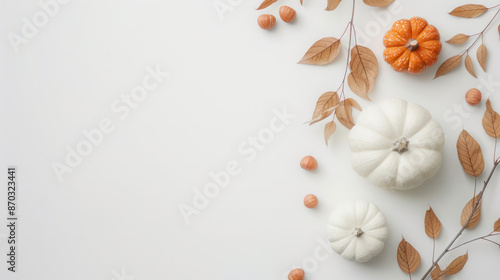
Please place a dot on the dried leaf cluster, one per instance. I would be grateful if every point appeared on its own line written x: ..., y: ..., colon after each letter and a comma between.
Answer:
x: 472, y: 160
x: 468, y: 11
x: 361, y: 72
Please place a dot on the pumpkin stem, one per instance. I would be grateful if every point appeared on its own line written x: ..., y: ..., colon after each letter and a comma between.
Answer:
x: 358, y: 232
x: 412, y: 45
x: 400, y: 145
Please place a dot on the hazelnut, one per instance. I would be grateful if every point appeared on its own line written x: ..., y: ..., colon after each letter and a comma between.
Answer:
x: 473, y: 96
x: 266, y: 21
x: 296, y: 274
x: 287, y: 14
x: 310, y: 201
x: 309, y: 163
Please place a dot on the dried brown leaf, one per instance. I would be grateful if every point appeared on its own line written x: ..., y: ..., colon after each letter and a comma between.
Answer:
x: 266, y: 4
x: 329, y: 130
x: 469, y: 11
x: 432, y: 224
x: 491, y: 121
x: 364, y: 71
x: 470, y: 154
x: 496, y: 226
x: 322, y: 51
x: 456, y: 265
x: 469, y: 66
x: 301, y: 2
x: 437, y: 273
x: 467, y: 212
x: 358, y: 85
x: 324, y: 107
x: 499, y: 31
x: 354, y: 104
x: 448, y: 65
x: 344, y: 112
x: 408, y: 257
x: 482, y: 52
x: 378, y: 3
x: 458, y: 39
x: 332, y: 4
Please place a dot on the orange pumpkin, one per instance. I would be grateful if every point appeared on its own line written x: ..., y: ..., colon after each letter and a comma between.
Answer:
x: 411, y: 45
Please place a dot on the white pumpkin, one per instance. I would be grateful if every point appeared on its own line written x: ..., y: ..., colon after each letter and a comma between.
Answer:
x: 396, y: 144
x: 357, y: 230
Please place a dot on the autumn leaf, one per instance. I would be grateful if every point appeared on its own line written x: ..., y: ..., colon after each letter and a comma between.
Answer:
x: 437, y: 273
x: 456, y: 265
x: 266, y: 4
x: 364, y: 71
x: 432, y: 224
x: 469, y: 11
x: 332, y: 4
x: 329, y: 130
x: 458, y: 39
x: 322, y: 51
x: 482, y: 52
x: 469, y: 66
x: 448, y: 65
x: 301, y: 2
x: 491, y: 121
x: 467, y: 212
x: 496, y: 226
x: 408, y: 257
x: 499, y: 31
x: 344, y: 112
x: 358, y: 85
x: 378, y: 3
x: 324, y: 107
x: 470, y: 154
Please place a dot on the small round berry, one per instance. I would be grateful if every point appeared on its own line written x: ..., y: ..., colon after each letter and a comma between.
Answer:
x: 309, y: 163
x: 287, y: 14
x: 473, y: 96
x: 296, y: 274
x: 310, y: 201
x: 266, y: 22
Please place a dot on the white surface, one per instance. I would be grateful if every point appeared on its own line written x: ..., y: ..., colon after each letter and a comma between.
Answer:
x: 119, y: 208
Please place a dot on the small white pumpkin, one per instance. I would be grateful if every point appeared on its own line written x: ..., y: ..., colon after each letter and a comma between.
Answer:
x: 396, y: 144
x: 357, y: 230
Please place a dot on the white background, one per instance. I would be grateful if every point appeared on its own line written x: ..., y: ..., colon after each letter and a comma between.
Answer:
x: 118, y: 211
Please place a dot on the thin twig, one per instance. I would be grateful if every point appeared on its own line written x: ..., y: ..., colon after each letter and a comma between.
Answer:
x: 475, y: 186
x: 489, y: 240
x: 345, y: 30
x: 476, y: 239
x: 433, y: 248
x: 480, y: 34
x: 495, y: 150
x: 494, y: 7
x: 350, y: 25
